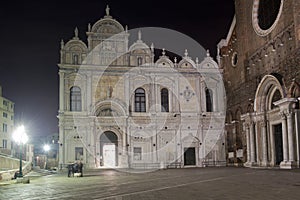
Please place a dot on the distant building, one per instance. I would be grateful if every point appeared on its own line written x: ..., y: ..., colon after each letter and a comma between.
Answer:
x: 261, y: 65
x: 6, y: 124
x: 137, y: 112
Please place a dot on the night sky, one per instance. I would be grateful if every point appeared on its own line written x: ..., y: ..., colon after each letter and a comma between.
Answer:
x: 31, y: 32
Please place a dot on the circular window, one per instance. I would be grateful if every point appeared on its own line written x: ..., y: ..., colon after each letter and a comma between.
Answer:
x: 265, y: 15
x: 234, y: 59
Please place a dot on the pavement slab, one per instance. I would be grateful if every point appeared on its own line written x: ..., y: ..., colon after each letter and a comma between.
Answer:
x: 193, y: 183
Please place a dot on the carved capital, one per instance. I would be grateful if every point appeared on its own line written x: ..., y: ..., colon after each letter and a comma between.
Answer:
x: 247, y: 125
x: 263, y: 122
x: 61, y: 74
x: 282, y: 115
x: 289, y: 113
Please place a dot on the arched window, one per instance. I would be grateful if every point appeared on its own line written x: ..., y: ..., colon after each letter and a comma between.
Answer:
x: 164, y: 94
x: 75, y: 99
x: 276, y: 97
x: 75, y: 59
x: 209, y: 100
x: 140, y: 100
x: 139, y: 61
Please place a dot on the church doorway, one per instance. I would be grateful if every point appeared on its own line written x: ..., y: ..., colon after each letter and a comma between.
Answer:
x: 109, y: 155
x: 189, y: 156
x: 108, y: 149
x: 278, y: 144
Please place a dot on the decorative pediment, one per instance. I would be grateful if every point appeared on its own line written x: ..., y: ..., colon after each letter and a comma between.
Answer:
x: 108, y: 112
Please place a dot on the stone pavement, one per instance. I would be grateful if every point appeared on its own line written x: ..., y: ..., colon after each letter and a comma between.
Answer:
x: 188, y: 184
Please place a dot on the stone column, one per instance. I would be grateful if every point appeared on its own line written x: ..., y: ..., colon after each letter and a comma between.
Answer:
x: 62, y: 145
x: 215, y: 102
x: 287, y: 106
x: 152, y: 95
x: 61, y: 91
x: 289, y: 116
x: 264, y: 143
x: 124, y: 142
x: 89, y: 94
x: 284, y: 138
x: 252, y: 143
x: 127, y: 91
x: 248, y: 142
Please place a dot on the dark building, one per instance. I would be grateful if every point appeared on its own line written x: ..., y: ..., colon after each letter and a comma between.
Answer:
x: 260, y: 59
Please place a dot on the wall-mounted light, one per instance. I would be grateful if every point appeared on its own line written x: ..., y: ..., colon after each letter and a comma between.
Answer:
x: 273, y: 47
x: 290, y: 35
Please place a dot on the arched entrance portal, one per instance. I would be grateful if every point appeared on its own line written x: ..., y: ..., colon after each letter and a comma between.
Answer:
x: 109, y: 149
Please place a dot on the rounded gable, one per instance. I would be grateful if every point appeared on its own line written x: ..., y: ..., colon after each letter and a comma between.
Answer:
x: 164, y: 61
x: 107, y: 25
x: 75, y: 45
x: 187, y: 63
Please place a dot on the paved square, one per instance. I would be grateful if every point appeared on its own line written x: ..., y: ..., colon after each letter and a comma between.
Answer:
x: 192, y: 183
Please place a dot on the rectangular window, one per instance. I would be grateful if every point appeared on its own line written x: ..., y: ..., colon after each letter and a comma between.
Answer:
x: 5, y: 103
x: 12, y: 117
x: 78, y: 153
x: 137, y: 153
x: 4, y: 144
x: 4, y: 128
x: 164, y: 100
x: 4, y: 114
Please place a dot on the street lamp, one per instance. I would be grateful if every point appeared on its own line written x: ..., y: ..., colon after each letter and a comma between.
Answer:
x: 46, y: 149
x: 20, y: 137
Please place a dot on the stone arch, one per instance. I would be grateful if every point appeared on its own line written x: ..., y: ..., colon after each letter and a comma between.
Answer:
x: 294, y: 90
x: 110, y: 108
x: 75, y: 79
x: 229, y: 116
x: 113, y: 129
x: 265, y: 91
x: 238, y: 113
x: 250, y: 108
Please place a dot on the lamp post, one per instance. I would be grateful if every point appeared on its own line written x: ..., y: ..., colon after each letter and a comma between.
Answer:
x: 46, y: 149
x: 21, y: 138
